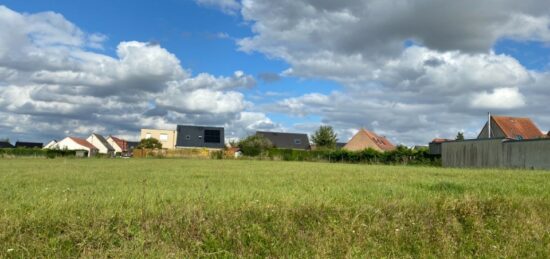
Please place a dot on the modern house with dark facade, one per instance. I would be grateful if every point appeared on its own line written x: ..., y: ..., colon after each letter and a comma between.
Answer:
x: 200, y: 137
x: 287, y: 140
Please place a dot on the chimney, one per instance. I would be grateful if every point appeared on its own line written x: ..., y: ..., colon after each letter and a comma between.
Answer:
x: 489, y: 125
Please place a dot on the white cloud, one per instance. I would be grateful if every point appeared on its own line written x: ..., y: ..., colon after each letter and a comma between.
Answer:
x: 50, y: 79
x: 444, y: 83
x: 501, y: 98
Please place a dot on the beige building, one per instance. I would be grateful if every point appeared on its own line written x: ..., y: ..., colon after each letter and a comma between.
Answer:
x: 166, y: 137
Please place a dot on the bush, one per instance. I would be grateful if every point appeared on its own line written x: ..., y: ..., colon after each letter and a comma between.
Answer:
x: 35, y: 152
x: 401, y: 155
x: 150, y: 143
x: 255, y: 145
x: 217, y: 154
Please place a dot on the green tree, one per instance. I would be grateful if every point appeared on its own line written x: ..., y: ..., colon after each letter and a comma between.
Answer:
x: 150, y: 143
x: 325, y: 137
x: 460, y: 136
x: 255, y: 145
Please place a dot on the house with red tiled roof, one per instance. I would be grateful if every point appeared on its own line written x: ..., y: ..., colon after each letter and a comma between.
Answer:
x: 78, y: 144
x: 365, y: 139
x: 518, y: 128
x: 122, y: 146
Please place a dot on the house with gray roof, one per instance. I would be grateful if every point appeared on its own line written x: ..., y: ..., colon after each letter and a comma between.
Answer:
x: 5, y: 144
x: 101, y: 144
x: 285, y: 140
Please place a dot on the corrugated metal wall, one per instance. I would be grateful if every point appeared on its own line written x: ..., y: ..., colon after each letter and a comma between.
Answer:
x: 497, y: 153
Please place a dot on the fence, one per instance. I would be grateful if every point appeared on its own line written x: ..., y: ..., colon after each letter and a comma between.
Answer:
x: 497, y: 153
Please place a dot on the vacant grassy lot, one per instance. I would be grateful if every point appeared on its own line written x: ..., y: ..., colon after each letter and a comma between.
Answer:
x: 180, y: 208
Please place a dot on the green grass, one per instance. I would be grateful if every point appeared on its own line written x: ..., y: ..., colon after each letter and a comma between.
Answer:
x: 208, y: 208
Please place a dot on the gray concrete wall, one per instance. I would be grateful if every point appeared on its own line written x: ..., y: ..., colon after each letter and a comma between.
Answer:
x: 497, y: 153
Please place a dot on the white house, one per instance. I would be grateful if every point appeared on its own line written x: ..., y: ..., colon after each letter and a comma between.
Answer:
x: 119, y: 145
x: 101, y: 144
x: 72, y: 143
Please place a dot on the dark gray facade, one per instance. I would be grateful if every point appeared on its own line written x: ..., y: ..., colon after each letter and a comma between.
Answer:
x: 200, y: 137
x: 435, y: 148
x: 497, y: 153
x: 287, y: 140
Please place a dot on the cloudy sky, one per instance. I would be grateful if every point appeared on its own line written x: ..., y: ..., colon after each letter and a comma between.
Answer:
x: 411, y: 70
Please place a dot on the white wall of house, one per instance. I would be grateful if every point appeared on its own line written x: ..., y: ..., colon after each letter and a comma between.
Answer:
x: 114, y: 144
x: 52, y: 145
x: 98, y: 144
x: 69, y: 144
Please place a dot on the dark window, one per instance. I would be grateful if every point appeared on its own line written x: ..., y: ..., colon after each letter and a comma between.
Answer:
x: 212, y: 136
x: 188, y: 137
x: 297, y: 141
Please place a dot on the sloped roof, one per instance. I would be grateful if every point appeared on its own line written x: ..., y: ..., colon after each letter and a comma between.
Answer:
x: 83, y: 142
x: 103, y: 141
x: 122, y: 144
x: 5, y: 144
x: 440, y: 140
x: 365, y: 139
x: 287, y: 140
x: 515, y: 126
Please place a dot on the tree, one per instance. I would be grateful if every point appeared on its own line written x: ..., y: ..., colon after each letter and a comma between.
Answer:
x: 150, y: 143
x: 325, y: 137
x: 255, y: 145
x: 460, y: 136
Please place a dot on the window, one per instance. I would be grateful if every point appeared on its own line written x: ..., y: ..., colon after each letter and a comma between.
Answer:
x: 188, y: 137
x: 148, y: 136
x: 163, y: 137
x: 212, y: 136
x: 297, y: 141
x: 519, y: 137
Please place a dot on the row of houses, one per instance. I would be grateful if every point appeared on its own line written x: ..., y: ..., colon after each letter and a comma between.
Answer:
x: 187, y: 136
x: 93, y: 145
x: 503, y: 142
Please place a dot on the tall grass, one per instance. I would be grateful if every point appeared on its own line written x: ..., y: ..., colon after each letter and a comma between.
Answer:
x: 218, y: 208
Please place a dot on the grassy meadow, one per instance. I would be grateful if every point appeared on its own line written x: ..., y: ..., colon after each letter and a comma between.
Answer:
x: 163, y: 208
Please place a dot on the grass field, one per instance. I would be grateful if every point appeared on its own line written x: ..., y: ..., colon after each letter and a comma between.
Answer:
x: 209, y: 208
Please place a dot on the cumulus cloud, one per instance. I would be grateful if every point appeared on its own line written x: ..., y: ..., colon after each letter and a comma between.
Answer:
x: 502, y: 98
x: 412, y: 70
x: 51, y: 79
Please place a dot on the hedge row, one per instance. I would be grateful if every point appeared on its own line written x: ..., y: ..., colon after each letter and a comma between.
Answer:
x: 402, y: 155
x: 35, y: 152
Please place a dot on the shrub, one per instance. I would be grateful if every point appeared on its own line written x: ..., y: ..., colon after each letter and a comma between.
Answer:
x: 255, y: 145
x: 150, y: 143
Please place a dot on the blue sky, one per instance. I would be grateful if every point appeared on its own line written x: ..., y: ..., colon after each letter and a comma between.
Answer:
x: 331, y: 64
